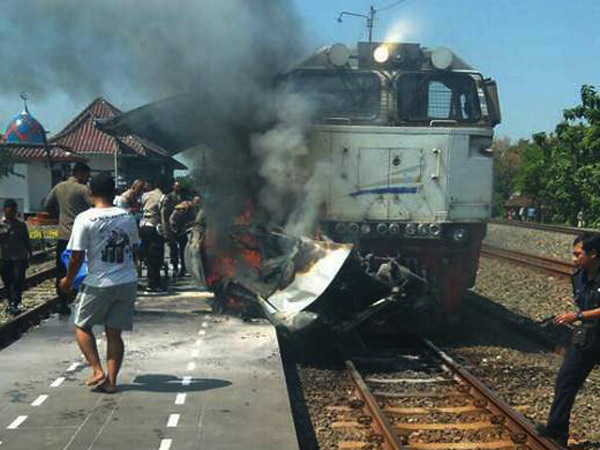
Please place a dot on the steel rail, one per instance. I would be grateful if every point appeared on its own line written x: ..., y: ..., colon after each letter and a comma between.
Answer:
x: 12, y: 329
x: 380, y: 423
x: 34, y: 279
x: 552, y: 266
x: 546, y: 227
x: 522, y: 431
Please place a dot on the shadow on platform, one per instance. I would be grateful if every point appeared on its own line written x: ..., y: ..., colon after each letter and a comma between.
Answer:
x: 170, y: 383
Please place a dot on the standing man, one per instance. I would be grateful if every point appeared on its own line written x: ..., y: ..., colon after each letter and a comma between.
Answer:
x: 108, y: 235
x: 172, y: 200
x: 66, y: 200
x: 182, y: 219
x: 581, y: 218
x: 584, y: 352
x: 15, y: 251
x: 154, y: 227
x: 130, y: 199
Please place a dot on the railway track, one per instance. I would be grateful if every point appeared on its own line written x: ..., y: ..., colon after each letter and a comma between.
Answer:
x: 39, y: 299
x: 551, y: 266
x: 546, y: 227
x: 429, y: 402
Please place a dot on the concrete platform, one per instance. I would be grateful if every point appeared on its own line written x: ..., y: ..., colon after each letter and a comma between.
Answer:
x: 190, y: 380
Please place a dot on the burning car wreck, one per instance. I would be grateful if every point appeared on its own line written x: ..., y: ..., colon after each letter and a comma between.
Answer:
x: 301, y: 285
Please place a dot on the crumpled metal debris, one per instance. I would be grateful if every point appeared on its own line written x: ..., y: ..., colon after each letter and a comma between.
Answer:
x: 300, y: 282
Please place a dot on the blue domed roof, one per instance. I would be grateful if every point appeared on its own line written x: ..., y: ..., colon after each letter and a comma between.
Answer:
x: 24, y: 129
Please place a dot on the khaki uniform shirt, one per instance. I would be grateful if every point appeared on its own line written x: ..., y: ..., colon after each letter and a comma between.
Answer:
x: 14, y: 240
x: 69, y: 198
x: 151, y: 205
x: 181, y: 218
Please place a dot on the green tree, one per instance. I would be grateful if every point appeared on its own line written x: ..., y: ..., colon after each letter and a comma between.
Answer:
x: 505, y: 168
x: 579, y: 137
x: 561, y: 171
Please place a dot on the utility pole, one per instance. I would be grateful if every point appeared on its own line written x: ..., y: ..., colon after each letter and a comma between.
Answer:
x: 370, y: 17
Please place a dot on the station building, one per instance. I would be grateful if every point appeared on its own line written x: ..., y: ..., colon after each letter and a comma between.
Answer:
x: 40, y: 162
x: 126, y: 157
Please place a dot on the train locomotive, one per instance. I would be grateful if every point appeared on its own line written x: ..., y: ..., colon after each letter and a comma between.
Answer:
x: 409, y: 132
x: 406, y: 133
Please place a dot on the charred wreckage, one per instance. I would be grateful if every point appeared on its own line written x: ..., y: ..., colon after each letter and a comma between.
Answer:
x: 300, y: 284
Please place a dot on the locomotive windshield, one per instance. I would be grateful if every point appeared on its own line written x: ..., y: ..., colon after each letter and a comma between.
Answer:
x: 340, y: 94
x: 423, y: 97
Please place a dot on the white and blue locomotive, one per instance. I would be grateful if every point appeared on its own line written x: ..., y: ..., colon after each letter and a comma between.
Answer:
x: 409, y: 132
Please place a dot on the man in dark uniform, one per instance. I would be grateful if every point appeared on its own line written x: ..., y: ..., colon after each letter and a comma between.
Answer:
x: 584, y: 353
x: 15, y: 251
x: 173, y: 199
x: 66, y: 200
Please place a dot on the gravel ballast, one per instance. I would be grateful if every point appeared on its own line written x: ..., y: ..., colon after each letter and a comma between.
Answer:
x: 538, y: 242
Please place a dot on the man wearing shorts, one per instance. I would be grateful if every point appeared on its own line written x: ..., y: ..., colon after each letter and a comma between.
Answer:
x: 108, y: 235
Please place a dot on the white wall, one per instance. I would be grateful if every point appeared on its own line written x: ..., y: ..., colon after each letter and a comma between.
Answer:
x: 40, y: 183
x: 31, y: 189
x: 16, y: 187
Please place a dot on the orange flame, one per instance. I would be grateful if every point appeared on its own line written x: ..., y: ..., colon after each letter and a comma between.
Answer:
x: 225, y: 263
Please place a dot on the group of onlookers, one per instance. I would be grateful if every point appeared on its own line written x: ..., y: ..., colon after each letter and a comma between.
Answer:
x: 96, y: 224
x: 524, y: 214
x: 162, y: 213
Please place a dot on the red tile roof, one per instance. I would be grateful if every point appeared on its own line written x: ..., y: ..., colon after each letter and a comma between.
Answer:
x: 82, y: 135
x: 37, y: 152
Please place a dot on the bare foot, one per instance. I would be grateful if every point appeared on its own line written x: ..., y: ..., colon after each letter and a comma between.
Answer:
x: 95, y: 378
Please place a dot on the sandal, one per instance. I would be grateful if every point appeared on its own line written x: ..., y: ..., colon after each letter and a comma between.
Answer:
x: 104, y: 389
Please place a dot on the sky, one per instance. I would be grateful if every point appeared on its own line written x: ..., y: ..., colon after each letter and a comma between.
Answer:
x: 539, y: 51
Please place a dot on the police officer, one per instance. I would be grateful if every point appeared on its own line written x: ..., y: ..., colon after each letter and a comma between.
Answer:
x: 130, y: 199
x: 66, y: 200
x: 15, y: 252
x: 173, y: 199
x: 154, y: 228
x: 584, y: 352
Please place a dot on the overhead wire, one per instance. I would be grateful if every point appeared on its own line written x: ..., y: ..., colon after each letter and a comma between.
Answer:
x: 391, y: 5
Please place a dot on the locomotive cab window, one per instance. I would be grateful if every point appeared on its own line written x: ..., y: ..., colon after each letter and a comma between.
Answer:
x: 423, y: 97
x: 339, y: 94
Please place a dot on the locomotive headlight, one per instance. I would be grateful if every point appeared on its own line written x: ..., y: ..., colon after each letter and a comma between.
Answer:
x: 354, y: 228
x: 365, y: 228
x: 460, y: 234
x: 423, y: 229
x: 435, y: 229
x: 394, y: 228
x: 411, y: 229
x: 340, y: 227
x: 381, y: 54
x: 382, y: 228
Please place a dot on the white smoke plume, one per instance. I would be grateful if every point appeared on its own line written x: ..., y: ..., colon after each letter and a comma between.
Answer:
x: 305, y: 217
x: 280, y: 152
